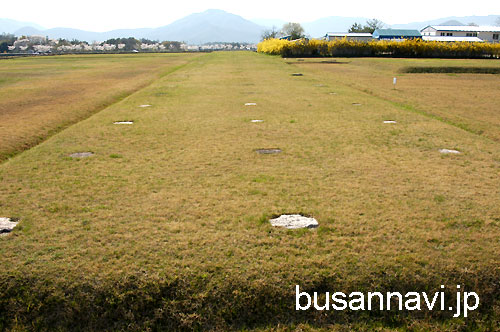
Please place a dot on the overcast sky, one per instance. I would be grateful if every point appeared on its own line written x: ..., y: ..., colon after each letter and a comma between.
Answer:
x: 104, y: 15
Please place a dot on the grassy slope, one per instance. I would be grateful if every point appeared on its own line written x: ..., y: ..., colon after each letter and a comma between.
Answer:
x: 164, y: 226
x: 469, y: 101
x: 42, y: 95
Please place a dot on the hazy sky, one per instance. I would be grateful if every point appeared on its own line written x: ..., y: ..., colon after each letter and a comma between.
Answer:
x: 103, y: 15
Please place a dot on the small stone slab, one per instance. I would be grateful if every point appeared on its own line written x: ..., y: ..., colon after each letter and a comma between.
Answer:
x: 123, y: 122
x: 81, y: 154
x: 256, y: 121
x: 333, y: 93
x: 294, y: 221
x: 448, y: 151
x: 356, y: 104
x: 297, y: 74
x: 7, y: 225
x: 268, y: 151
x: 390, y: 121
x: 250, y: 104
x: 145, y: 105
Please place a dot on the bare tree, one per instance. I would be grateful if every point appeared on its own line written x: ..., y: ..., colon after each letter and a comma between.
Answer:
x: 370, y: 26
x: 374, y: 24
x: 294, y: 30
x: 270, y: 33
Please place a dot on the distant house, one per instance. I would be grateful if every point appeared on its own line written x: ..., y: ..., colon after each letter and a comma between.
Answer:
x: 485, y: 33
x: 397, y: 34
x: 359, y: 36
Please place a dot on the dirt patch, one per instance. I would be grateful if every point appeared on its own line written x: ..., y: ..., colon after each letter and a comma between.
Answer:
x: 302, y: 62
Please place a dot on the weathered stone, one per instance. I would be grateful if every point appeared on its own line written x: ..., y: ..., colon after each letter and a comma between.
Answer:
x: 250, y: 104
x: 390, y: 121
x: 81, y: 154
x: 7, y: 225
x: 294, y: 221
x: 123, y: 122
x: 255, y: 121
x: 448, y: 151
x: 268, y: 151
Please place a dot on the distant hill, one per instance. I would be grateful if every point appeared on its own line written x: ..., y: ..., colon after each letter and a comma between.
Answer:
x: 212, y: 25
x: 269, y: 23
x: 479, y: 20
x: 219, y: 26
x: 209, y: 26
x: 11, y: 26
x: 90, y: 36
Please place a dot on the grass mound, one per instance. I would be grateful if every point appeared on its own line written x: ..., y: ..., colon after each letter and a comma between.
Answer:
x: 220, y: 302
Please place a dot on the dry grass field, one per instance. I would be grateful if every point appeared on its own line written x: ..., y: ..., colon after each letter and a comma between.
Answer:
x: 468, y: 101
x: 42, y: 95
x: 166, y: 226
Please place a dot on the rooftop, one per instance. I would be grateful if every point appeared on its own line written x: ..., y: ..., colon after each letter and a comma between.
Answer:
x: 397, y: 32
x: 349, y: 34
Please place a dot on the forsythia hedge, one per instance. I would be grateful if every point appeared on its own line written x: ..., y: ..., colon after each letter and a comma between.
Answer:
x: 406, y: 48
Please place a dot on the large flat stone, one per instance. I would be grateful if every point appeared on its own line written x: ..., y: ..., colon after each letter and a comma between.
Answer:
x: 81, y: 154
x: 7, y: 225
x: 268, y: 151
x: 294, y: 221
x: 448, y: 151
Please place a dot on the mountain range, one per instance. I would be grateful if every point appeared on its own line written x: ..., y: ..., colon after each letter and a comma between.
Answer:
x: 216, y: 25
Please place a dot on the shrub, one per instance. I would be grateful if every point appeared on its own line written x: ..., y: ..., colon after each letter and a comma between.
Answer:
x: 407, y: 48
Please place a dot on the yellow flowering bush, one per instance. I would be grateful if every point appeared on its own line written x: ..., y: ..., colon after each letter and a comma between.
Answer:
x: 405, y: 48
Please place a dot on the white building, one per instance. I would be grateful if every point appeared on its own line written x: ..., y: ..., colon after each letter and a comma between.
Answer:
x: 485, y: 33
x: 359, y: 36
x: 452, y: 39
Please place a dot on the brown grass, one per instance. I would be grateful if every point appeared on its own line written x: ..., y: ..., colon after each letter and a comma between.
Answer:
x: 469, y: 101
x: 165, y: 227
x: 42, y: 95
